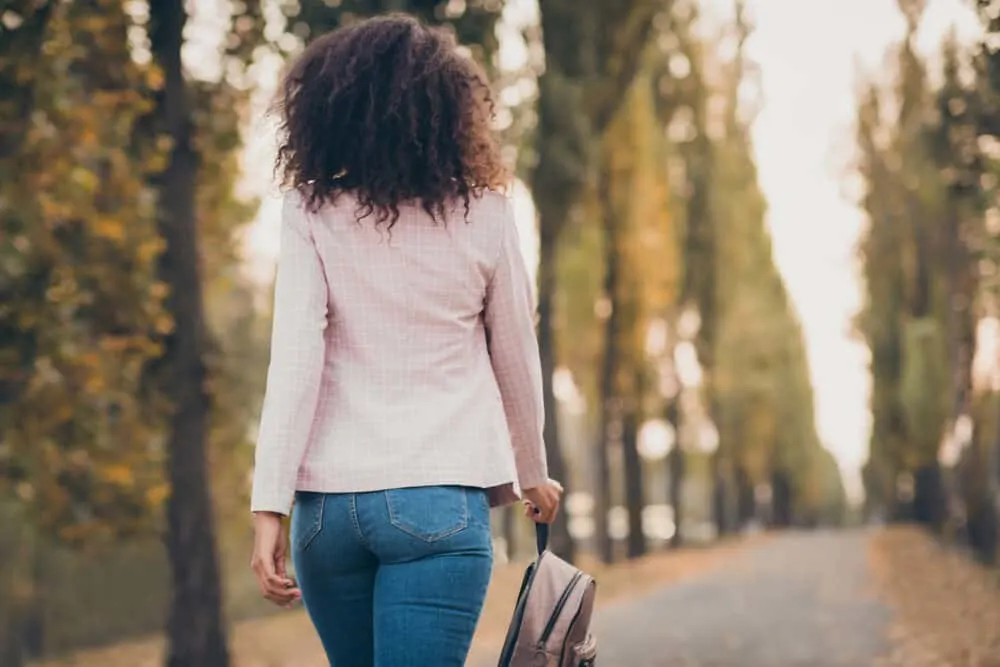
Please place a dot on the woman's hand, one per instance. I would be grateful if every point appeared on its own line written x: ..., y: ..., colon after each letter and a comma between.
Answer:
x: 268, y: 560
x: 541, y: 503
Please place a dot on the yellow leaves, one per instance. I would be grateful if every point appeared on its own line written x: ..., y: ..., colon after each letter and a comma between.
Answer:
x: 85, y: 178
x: 118, y: 474
x: 80, y: 221
x: 25, y: 491
x: 53, y: 210
x: 109, y: 228
x: 157, y: 494
x: 159, y: 290
x: 154, y: 77
x: 163, y: 324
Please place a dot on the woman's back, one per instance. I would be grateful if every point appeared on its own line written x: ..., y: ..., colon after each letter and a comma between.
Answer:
x: 397, y: 320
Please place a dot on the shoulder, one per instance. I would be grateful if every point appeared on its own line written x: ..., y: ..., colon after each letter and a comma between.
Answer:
x: 299, y: 214
x: 494, y: 203
x: 492, y: 212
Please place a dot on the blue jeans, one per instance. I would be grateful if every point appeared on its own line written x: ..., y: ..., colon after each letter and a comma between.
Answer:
x: 394, y: 578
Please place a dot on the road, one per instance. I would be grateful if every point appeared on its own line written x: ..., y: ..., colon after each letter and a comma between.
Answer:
x: 797, y: 600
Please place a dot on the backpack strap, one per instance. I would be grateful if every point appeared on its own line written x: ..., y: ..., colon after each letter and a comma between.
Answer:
x: 541, y: 537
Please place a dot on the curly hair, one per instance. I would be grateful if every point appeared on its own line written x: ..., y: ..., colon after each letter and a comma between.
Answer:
x: 388, y: 110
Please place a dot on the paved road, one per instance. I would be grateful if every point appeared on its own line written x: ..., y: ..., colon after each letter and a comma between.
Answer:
x: 798, y: 600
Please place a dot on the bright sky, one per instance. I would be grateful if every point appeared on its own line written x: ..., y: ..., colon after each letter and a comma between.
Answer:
x: 809, y: 52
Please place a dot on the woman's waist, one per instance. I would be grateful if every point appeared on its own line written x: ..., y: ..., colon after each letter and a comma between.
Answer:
x: 356, y: 460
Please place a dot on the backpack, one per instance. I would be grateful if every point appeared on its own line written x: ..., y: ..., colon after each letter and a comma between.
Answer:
x: 551, y: 624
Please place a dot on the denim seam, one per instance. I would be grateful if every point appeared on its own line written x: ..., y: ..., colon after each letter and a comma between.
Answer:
x: 356, y: 522
x: 316, y: 527
x: 436, y: 536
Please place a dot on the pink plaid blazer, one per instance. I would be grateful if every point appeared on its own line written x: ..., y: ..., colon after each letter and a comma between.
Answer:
x: 400, y: 359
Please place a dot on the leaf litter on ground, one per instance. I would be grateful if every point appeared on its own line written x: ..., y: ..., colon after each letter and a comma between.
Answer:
x: 946, y: 606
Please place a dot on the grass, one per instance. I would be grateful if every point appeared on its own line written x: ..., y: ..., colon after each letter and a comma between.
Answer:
x: 286, y: 639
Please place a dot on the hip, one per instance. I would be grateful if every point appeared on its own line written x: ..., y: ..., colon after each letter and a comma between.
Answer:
x: 390, y: 526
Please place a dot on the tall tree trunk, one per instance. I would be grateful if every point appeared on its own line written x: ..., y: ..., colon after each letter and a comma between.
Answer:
x: 635, y: 497
x: 561, y: 543
x: 975, y: 478
x: 676, y: 465
x: 719, y: 496
x: 928, y: 499
x: 725, y: 492
x: 195, y: 628
x: 16, y: 542
x: 746, y: 501
x: 781, y: 499
x: 993, y: 463
x: 611, y: 412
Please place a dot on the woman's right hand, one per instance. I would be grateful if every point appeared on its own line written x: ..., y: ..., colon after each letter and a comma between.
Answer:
x: 541, y: 503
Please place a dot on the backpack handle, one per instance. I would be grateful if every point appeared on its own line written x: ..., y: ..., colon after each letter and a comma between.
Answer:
x: 541, y: 537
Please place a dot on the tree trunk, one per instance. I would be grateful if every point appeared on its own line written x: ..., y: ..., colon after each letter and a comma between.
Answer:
x: 635, y: 500
x: 560, y: 541
x: 993, y: 463
x: 195, y: 628
x: 746, y: 499
x: 611, y: 413
x: 719, y: 496
x: 34, y: 626
x: 16, y: 540
x: 575, y: 74
x: 781, y: 499
x: 928, y: 498
x: 508, y: 529
x: 675, y: 471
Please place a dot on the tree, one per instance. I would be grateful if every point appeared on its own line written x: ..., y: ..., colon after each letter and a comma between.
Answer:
x: 592, y: 53
x: 80, y: 303
x: 684, y: 108
x: 926, y: 197
x: 640, y: 281
x: 987, y: 118
x: 195, y: 626
x: 749, y: 342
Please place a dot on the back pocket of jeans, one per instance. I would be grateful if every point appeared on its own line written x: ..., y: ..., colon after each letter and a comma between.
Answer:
x: 429, y: 513
x: 307, y: 518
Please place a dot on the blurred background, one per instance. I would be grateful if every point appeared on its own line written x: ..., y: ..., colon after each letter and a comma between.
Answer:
x: 765, y: 235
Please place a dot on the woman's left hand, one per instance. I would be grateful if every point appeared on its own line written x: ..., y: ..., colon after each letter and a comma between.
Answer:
x: 268, y: 561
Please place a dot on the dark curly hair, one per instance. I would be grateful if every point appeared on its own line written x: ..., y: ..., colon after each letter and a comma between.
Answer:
x: 387, y: 109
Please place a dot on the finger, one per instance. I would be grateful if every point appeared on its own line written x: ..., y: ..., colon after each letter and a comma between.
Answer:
x: 281, y: 585
x: 283, y: 598
x: 274, y: 583
x: 285, y: 601
x: 281, y: 570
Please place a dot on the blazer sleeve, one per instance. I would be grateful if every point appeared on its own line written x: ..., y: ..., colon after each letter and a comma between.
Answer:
x: 513, y: 347
x: 296, y: 366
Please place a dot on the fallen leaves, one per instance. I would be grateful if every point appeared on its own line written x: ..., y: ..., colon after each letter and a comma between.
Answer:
x: 947, y: 608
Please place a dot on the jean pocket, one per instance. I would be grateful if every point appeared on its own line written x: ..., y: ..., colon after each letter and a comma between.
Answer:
x: 429, y: 513
x: 307, y: 518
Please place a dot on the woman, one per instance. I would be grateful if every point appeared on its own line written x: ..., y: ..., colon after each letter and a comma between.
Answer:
x: 404, y: 390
